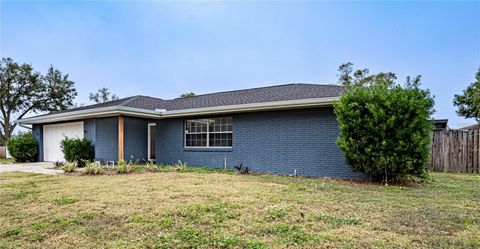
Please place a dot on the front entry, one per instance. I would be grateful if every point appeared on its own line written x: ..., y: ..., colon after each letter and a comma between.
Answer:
x: 152, y: 134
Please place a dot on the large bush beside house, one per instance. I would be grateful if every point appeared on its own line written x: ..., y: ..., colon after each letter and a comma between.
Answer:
x: 385, y: 127
x: 78, y: 150
x: 22, y: 147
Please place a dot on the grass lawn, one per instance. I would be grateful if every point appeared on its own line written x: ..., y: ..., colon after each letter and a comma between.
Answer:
x: 7, y: 160
x: 189, y: 210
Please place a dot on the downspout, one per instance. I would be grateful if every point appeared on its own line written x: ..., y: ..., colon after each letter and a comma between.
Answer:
x: 26, y: 127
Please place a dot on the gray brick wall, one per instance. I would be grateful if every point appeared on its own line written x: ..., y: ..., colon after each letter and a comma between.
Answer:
x: 89, y: 126
x: 270, y: 142
x: 106, y: 138
x: 135, y: 139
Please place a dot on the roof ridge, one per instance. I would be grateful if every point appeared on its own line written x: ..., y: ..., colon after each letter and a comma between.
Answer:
x: 129, y: 100
x: 255, y: 88
x: 145, y: 96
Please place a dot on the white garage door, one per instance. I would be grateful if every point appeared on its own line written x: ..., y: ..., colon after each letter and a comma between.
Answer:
x: 54, y: 134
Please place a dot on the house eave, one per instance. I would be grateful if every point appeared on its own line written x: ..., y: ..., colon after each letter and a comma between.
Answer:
x: 151, y: 114
x: 90, y: 113
x: 265, y: 106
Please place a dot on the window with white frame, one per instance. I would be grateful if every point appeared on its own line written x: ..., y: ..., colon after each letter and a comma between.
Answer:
x: 212, y: 132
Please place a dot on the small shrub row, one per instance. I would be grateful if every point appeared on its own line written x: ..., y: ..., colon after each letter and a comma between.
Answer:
x: 93, y: 168
x: 70, y: 167
x: 124, y: 167
x: 150, y: 167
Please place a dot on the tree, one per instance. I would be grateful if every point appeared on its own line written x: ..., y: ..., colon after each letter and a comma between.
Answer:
x: 23, y: 91
x: 468, y: 102
x: 187, y: 95
x: 384, y: 126
x: 361, y: 77
x: 103, y: 95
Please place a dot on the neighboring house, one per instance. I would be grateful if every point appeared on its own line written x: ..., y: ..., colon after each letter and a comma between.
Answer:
x: 440, y: 124
x: 471, y: 127
x: 279, y: 129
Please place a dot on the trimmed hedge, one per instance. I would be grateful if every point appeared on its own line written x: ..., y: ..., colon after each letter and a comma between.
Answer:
x: 386, y: 129
x: 23, y: 147
x: 78, y: 150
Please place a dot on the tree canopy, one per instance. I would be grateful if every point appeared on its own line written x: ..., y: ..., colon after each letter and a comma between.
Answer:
x: 361, y: 77
x: 188, y: 95
x: 24, y: 91
x: 102, y: 95
x: 468, y: 102
x: 384, y: 126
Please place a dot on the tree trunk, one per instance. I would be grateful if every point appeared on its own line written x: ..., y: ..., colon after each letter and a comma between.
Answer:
x: 6, y: 129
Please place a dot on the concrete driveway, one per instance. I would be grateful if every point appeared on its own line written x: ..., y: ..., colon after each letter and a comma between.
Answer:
x: 40, y: 167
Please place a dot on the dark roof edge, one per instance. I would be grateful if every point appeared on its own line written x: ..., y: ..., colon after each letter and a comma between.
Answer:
x: 120, y: 110
x: 126, y: 102
x: 260, y: 87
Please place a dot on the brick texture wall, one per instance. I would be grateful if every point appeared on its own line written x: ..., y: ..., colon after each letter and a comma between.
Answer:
x: 270, y: 142
x: 135, y: 139
x: 106, y: 138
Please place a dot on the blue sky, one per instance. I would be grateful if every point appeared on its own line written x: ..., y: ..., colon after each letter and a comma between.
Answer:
x: 164, y: 49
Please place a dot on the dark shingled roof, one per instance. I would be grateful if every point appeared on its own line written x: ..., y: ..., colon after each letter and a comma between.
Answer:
x: 246, y: 96
x: 471, y: 127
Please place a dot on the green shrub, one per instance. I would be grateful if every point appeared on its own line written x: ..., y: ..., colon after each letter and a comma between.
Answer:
x: 180, y: 166
x: 70, y: 167
x: 78, y: 150
x: 149, y: 166
x: 123, y: 167
x: 242, y: 169
x: 93, y: 168
x: 22, y: 147
x: 385, y: 128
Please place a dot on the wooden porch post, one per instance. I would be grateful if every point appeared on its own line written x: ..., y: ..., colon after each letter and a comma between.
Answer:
x: 120, y: 138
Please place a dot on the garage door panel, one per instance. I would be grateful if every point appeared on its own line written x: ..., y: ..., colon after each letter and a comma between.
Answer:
x: 54, y: 134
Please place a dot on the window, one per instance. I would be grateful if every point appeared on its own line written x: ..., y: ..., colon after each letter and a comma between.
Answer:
x: 213, y: 132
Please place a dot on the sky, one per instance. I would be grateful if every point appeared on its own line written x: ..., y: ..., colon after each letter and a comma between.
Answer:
x: 164, y: 49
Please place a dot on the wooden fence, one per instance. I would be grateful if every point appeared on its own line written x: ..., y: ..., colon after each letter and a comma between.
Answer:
x: 455, y: 151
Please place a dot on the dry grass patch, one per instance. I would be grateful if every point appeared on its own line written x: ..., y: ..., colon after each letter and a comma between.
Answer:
x: 6, y: 161
x: 211, y: 210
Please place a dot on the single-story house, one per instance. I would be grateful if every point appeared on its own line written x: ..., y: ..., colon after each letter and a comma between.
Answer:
x: 282, y: 129
x: 470, y: 127
x: 440, y: 124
